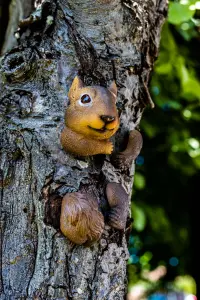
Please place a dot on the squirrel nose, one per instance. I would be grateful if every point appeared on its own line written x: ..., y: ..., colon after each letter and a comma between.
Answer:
x: 107, y: 119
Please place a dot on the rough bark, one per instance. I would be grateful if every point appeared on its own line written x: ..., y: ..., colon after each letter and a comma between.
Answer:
x: 100, y: 40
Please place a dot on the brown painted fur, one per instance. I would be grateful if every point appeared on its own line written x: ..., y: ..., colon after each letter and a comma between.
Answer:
x: 86, y: 132
x: 80, y: 220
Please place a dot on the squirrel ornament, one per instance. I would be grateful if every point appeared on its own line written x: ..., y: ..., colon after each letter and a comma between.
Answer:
x: 82, y: 222
x: 91, y: 119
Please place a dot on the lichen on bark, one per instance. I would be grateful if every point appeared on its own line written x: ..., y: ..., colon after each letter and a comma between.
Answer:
x: 100, y: 41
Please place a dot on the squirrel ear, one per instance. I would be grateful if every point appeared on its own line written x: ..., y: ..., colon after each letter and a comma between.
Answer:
x: 76, y: 85
x: 113, y: 88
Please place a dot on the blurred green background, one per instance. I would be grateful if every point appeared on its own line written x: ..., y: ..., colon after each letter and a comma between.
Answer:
x: 163, y: 246
x: 165, y: 193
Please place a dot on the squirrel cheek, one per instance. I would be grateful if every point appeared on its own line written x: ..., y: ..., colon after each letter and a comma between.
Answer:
x: 80, y: 126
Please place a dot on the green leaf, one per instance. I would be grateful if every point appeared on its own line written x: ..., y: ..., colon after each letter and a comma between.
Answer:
x: 164, y: 68
x: 191, y: 89
x: 185, y: 283
x: 139, y: 218
x: 190, y: 85
x: 196, y: 161
x: 139, y: 181
x: 179, y: 13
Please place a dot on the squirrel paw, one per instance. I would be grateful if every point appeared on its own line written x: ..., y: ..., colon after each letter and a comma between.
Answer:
x: 109, y: 147
x: 121, y: 161
x: 119, y: 204
x: 124, y: 159
x: 80, y: 220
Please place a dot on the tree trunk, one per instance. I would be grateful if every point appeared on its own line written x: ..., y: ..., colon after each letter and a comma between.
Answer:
x: 100, y: 40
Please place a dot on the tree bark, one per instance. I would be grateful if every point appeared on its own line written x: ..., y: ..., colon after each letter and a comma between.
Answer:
x: 100, y: 40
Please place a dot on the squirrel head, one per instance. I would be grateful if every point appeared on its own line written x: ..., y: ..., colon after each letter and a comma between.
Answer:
x: 92, y: 110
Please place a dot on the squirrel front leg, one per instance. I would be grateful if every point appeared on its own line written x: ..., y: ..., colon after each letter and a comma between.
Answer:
x: 78, y: 144
x: 119, y: 205
x: 124, y: 159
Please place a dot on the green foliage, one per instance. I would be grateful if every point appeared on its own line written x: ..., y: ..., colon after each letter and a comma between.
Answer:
x: 139, y: 181
x: 170, y: 157
x: 185, y: 283
x: 176, y: 90
x: 179, y: 13
x: 139, y: 217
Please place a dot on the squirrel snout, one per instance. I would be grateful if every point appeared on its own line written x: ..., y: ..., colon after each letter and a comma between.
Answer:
x: 107, y: 119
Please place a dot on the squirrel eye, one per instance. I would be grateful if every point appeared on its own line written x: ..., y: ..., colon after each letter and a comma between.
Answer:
x: 85, y: 99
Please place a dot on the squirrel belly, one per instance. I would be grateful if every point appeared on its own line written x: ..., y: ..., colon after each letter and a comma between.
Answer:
x: 81, y: 145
